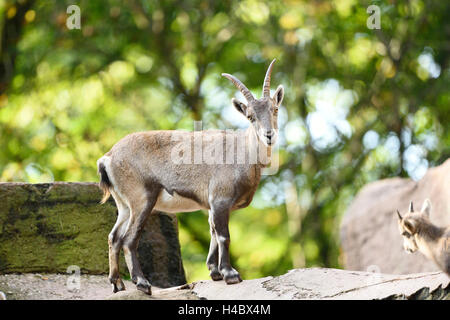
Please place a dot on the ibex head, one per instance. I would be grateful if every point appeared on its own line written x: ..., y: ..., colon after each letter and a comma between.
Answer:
x: 262, y: 113
x: 411, y: 222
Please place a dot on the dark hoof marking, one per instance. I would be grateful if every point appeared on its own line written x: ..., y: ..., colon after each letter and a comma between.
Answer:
x: 215, y: 275
x: 144, y: 287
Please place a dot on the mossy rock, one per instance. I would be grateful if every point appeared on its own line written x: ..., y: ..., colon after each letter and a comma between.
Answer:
x: 48, y: 227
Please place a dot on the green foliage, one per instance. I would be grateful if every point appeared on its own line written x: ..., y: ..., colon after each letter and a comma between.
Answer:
x: 360, y: 104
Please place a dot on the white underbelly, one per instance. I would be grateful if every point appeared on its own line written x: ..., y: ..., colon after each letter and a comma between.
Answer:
x: 175, y: 203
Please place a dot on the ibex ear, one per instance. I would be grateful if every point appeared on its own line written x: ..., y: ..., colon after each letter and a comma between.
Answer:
x: 241, y: 107
x: 279, y: 95
x: 410, y: 226
x: 426, y: 207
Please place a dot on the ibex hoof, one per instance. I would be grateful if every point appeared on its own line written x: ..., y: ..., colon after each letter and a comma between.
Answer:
x: 117, y: 285
x: 232, y: 277
x: 215, y: 275
x: 144, y: 286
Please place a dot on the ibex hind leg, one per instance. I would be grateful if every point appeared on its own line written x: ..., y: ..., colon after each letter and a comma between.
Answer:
x: 140, y: 210
x: 115, y: 244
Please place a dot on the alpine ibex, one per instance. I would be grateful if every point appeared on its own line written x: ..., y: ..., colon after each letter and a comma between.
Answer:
x: 141, y: 174
x: 420, y: 234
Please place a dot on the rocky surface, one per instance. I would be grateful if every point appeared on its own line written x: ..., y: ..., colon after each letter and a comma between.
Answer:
x: 48, y: 227
x: 315, y: 283
x: 33, y: 286
x: 329, y: 284
x: 369, y: 234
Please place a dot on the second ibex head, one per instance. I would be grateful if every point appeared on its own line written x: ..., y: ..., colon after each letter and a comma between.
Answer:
x: 262, y: 113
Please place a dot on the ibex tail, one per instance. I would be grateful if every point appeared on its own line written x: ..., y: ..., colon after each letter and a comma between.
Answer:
x: 105, y: 183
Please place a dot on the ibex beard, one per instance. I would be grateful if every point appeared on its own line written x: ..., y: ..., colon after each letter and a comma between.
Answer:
x: 159, y: 171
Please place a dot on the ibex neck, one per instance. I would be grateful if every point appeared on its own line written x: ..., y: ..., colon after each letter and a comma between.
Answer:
x: 430, y: 232
x: 428, y: 239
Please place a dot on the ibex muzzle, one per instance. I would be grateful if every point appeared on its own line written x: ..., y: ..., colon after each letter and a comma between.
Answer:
x: 141, y: 176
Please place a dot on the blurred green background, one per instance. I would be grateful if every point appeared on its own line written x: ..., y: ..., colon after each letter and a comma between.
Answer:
x: 360, y: 104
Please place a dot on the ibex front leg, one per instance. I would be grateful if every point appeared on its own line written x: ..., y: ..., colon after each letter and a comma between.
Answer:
x: 220, y: 213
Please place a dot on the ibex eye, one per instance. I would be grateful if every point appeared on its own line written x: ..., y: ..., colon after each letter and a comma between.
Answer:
x: 406, y: 234
x: 250, y: 117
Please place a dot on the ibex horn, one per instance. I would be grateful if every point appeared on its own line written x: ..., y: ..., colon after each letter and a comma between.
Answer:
x: 411, y: 208
x: 266, y: 87
x: 247, y: 94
